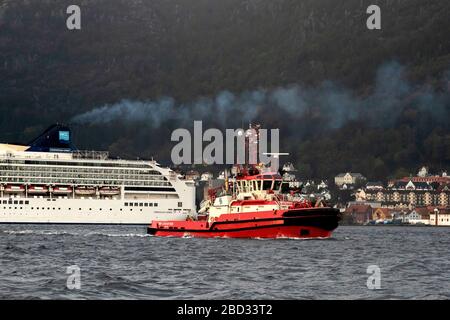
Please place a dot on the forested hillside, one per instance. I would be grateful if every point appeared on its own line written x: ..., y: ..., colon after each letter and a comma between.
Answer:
x: 344, y: 97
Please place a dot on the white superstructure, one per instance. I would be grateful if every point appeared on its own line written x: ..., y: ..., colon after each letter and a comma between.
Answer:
x: 88, y: 187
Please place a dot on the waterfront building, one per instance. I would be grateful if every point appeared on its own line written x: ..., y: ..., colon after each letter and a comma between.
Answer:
x: 348, y: 179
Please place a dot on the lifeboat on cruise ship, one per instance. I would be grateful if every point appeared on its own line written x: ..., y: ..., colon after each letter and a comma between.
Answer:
x: 14, y: 188
x: 255, y: 208
x: 62, y: 190
x: 109, y: 191
x: 35, y: 189
x: 85, y: 191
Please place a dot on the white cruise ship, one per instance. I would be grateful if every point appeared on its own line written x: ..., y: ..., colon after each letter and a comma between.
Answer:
x: 49, y: 181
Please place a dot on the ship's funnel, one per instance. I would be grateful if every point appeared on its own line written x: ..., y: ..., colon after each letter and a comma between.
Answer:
x: 57, y: 138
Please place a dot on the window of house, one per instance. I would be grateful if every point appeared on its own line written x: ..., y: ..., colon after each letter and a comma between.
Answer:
x: 180, y: 204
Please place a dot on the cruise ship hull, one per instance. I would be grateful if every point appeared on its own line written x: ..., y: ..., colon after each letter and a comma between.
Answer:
x: 84, y: 211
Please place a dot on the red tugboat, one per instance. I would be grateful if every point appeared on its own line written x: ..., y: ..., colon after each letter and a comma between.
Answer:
x: 252, y: 205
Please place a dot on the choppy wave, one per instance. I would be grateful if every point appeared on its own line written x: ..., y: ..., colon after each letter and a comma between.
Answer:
x: 140, y: 235
x: 117, y: 262
x: 36, y: 232
x: 75, y: 234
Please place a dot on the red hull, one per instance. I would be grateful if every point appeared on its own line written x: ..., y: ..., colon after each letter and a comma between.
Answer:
x: 266, y: 233
x: 299, y: 223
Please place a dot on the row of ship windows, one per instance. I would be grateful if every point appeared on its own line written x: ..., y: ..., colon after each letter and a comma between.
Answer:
x: 72, y: 169
x: 75, y: 164
x: 47, y: 209
x: 141, y: 204
x: 127, y: 204
x: 81, y: 181
x: 16, y: 202
x: 146, y: 204
x: 80, y: 174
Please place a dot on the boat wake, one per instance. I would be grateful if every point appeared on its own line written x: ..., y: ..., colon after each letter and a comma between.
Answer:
x: 37, y: 232
x: 140, y: 235
x: 65, y: 233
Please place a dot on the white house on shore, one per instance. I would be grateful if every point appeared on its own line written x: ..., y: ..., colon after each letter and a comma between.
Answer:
x: 417, y: 216
x: 348, y: 178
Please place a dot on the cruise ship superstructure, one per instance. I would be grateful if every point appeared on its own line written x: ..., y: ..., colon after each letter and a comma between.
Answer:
x: 50, y: 181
